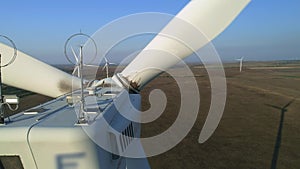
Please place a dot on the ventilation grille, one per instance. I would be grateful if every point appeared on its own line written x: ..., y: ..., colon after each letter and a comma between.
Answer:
x: 127, y: 136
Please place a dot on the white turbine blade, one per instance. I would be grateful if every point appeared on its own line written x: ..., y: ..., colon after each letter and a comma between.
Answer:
x: 76, y: 70
x: 33, y: 75
x: 104, y: 67
x: 105, y: 59
x: 112, y: 63
x: 75, y: 56
x: 94, y: 66
x: 210, y: 17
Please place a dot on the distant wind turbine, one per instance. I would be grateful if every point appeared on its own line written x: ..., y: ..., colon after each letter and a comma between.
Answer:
x: 241, y: 63
x: 77, y: 65
x: 106, y: 66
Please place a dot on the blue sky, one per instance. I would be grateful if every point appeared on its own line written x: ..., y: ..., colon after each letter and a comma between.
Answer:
x: 265, y: 30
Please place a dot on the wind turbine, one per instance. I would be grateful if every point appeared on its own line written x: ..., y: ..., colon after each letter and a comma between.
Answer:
x: 76, y: 69
x: 105, y: 139
x: 77, y: 64
x: 106, y: 66
x: 241, y: 63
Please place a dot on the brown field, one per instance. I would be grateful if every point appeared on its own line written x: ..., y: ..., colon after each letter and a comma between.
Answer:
x: 259, y: 129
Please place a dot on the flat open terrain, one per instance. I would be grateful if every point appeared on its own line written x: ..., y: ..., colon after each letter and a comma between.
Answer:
x: 259, y: 129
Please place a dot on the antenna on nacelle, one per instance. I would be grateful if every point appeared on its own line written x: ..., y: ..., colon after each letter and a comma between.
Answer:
x: 82, y: 118
x: 8, y: 99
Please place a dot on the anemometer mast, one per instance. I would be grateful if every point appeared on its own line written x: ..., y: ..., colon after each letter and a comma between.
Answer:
x: 82, y: 119
x: 8, y: 99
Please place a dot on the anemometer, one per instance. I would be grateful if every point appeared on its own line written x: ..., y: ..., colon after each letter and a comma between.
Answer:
x: 82, y: 119
x: 80, y: 46
x: 7, y: 99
